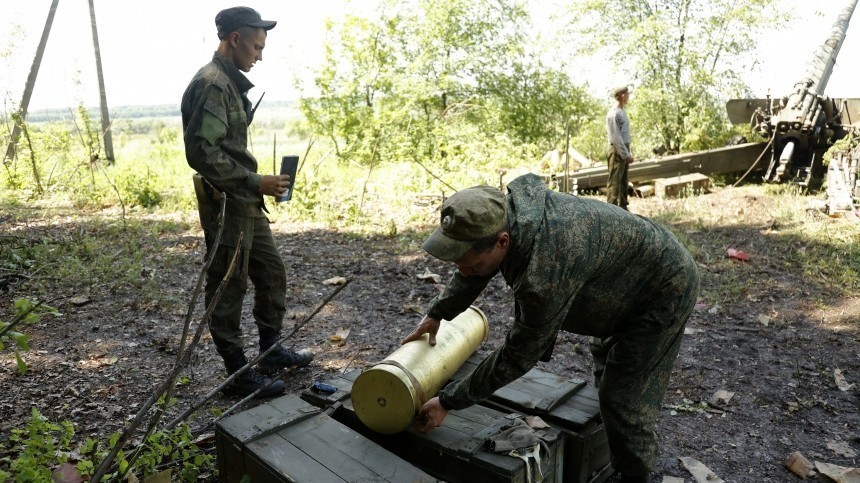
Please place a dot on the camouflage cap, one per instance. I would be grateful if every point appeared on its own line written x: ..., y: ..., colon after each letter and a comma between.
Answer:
x: 468, y: 216
x: 234, y: 18
x: 618, y: 90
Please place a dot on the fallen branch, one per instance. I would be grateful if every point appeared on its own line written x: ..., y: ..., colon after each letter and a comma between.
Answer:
x: 182, y: 359
x: 244, y: 368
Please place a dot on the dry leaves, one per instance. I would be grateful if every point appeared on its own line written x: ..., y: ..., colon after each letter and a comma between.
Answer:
x: 721, y: 397
x: 700, y: 472
x: 335, y: 281
x: 839, y: 474
x: 430, y: 277
x: 339, y: 337
x: 799, y: 465
x: 841, y: 382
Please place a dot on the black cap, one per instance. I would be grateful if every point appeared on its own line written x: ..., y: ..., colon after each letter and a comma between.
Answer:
x: 232, y: 19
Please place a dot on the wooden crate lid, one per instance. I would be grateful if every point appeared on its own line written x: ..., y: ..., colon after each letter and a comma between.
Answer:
x: 321, y: 449
x: 569, y: 402
x: 265, y: 418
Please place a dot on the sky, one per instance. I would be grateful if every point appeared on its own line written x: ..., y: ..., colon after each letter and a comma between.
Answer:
x: 150, y: 49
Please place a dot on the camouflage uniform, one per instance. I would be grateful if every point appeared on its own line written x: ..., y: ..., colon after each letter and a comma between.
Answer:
x: 587, y: 267
x: 216, y: 113
x: 618, y: 131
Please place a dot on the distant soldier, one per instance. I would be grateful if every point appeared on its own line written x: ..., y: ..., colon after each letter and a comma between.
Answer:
x: 618, y: 131
x: 578, y: 265
x: 216, y: 113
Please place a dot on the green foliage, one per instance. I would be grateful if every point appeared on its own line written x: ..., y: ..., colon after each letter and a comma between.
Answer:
x: 440, y: 84
x: 823, y: 249
x: 841, y: 147
x: 35, y: 450
x: 92, y: 256
x: 148, y: 171
x: 38, y: 448
x: 25, y: 312
x: 537, y: 104
x: 590, y: 139
x: 684, y: 59
x: 688, y: 406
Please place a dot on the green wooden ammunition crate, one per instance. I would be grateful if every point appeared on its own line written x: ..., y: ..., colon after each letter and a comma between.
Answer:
x: 568, y: 404
x: 290, y: 440
x: 455, y: 451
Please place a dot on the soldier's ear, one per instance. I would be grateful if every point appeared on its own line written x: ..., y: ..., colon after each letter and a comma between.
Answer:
x: 504, y: 240
x: 234, y: 38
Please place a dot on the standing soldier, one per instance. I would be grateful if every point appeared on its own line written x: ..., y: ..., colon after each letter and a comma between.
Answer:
x: 577, y: 265
x: 216, y: 113
x: 618, y: 131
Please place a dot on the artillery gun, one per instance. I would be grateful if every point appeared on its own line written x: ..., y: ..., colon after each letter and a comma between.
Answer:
x: 803, y: 125
x: 799, y: 128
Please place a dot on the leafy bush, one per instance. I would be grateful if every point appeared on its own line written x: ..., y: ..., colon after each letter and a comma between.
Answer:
x: 42, y: 445
x: 26, y: 312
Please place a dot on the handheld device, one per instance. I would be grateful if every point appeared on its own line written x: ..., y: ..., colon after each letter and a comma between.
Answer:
x: 321, y: 387
x: 289, y: 165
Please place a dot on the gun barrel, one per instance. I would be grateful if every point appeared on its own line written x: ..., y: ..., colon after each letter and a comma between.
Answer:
x: 819, y: 70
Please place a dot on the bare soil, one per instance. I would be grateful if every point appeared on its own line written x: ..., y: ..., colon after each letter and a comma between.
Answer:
x: 775, y: 340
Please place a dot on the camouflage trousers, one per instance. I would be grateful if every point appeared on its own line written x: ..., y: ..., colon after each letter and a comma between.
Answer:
x: 631, y: 372
x: 259, y: 261
x: 616, y: 183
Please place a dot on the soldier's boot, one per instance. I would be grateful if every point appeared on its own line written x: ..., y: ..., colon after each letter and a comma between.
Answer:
x: 281, y: 357
x: 249, y: 381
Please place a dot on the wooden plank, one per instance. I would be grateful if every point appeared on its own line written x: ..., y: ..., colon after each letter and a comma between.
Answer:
x: 347, y: 453
x: 288, y: 405
x: 322, y: 449
x: 539, y: 390
x: 552, y: 388
x: 275, y: 414
x: 276, y: 455
x: 359, y: 449
x: 693, y: 183
x: 232, y: 433
x: 570, y: 418
x: 237, y: 423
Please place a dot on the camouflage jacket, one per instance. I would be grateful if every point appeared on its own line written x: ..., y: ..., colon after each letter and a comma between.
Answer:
x: 574, y: 264
x: 216, y: 113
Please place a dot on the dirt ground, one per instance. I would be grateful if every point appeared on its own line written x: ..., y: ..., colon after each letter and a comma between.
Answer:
x: 766, y: 356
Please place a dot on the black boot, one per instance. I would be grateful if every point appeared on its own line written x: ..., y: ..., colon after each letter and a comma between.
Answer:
x: 281, y: 357
x: 250, y: 380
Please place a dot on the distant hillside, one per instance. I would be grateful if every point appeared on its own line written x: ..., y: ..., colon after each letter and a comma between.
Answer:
x: 134, y: 112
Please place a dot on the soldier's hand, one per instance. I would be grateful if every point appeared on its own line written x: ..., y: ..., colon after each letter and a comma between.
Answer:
x: 630, y: 160
x: 275, y: 185
x: 428, y: 325
x: 430, y: 416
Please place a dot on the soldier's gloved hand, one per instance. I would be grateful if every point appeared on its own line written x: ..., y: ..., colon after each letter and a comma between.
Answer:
x: 428, y: 325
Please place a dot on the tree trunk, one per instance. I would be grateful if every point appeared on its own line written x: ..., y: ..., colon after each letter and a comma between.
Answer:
x: 31, y: 83
x: 108, y: 142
